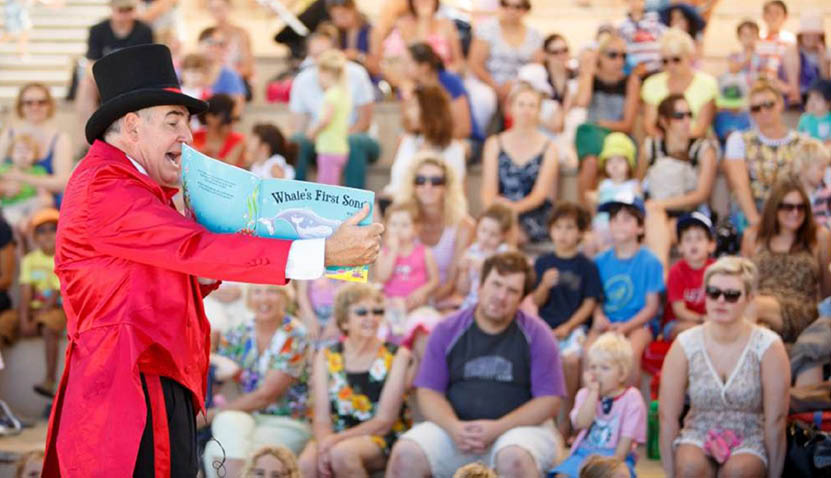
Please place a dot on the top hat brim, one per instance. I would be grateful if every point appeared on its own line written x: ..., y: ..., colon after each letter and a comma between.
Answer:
x: 135, y: 100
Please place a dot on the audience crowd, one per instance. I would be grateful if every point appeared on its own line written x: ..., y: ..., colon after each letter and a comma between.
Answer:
x: 518, y: 342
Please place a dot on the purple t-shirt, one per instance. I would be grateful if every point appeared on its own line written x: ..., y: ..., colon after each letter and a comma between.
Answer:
x: 472, y: 367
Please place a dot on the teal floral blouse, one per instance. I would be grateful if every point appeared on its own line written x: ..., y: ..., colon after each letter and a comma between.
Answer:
x: 289, y: 352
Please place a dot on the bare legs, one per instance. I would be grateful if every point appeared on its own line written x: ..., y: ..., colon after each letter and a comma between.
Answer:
x: 586, y: 179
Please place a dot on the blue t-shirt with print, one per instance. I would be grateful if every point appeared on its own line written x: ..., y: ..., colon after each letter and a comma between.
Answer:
x: 818, y: 127
x: 626, y: 282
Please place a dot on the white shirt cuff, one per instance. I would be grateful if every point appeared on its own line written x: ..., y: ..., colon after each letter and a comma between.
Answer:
x: 305, y: 260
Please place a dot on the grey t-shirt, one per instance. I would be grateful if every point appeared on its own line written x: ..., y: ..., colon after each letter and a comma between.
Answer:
x: 485, y: 376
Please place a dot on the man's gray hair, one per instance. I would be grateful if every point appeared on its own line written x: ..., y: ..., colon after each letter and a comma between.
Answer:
x: 115, y: 127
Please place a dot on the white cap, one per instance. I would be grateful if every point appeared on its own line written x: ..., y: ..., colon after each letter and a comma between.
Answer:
x: 535, y: 75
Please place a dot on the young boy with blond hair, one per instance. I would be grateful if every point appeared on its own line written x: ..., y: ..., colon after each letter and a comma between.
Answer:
x: 810, y: 163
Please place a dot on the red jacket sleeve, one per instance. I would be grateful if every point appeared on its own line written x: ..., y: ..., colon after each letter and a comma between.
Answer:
x: 127, y: 219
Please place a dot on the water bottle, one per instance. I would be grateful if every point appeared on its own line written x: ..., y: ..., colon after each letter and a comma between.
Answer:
x: 653, y: 449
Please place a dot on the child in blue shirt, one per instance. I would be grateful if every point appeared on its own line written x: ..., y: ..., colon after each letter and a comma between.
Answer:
x: 816, y: 120
x: 632, y: 278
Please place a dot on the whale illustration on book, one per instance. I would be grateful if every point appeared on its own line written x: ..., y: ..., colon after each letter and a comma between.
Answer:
x: 306, y: 224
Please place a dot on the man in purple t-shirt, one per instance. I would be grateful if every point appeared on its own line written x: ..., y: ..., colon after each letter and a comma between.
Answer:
x: 489, y: 384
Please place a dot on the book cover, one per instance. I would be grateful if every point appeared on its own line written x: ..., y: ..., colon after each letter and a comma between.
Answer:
x: 230, y: 200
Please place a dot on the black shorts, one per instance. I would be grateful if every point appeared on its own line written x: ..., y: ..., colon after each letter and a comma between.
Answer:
x: 173, y: 445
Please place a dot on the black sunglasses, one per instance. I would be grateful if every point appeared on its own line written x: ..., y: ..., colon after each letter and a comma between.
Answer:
x: 730, y: 295
x: 363, y: 311
x: 789, y: 207
x: 673, y: 59
x: 768, y: 105
x: 679, y: 115
x: 614, y: 55
x: 434, y: 180
x: 515, y: 6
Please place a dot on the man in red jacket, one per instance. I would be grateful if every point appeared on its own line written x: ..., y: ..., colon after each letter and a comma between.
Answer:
x: 128, y: 262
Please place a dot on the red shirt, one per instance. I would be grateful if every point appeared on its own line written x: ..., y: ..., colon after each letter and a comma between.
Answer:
x: 127, y: 262
x: 687, y: 284
x: 233, y: 139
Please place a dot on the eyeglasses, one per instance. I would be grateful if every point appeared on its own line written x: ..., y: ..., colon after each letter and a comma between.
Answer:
x: 673, y: 59
x: 434, y: 180
x: 515, y: 6
x: 46, y: 228
x: 558, y: 51
x: 614, y: 55
x: 42, y: 102
x: 768, y: 105
x: 730, y: 295
x: 790, y: 207
x: 363, y: 311
x: 679, y: 115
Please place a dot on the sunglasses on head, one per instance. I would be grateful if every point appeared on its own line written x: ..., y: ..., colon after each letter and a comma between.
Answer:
x: 790, y: 207
x: 614, y: 55
x: 42, y: 102
x: 730, y: 295
x: 679, y: 115
x: 768, y: 105
x: 434, y: 180
x: 557, y: 51
x: 515, y: 6
x: 671, y: 59
x: 363, y: 311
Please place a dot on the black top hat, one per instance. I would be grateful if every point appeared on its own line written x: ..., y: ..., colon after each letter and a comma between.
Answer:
x: 134, y: 78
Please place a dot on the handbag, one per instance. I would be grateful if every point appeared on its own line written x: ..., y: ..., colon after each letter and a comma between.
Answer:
x: 809, y: 451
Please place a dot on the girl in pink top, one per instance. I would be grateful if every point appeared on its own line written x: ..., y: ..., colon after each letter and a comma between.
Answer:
x: 409, y: 274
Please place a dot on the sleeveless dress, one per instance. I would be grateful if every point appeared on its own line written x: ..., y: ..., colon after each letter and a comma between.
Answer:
x: 354, y: 396
x: 794, y: 280
x: 233, y: 138
x: 443, y: 251
x: 409, y: 273
x: 735, y: 405
x: 516, y: 182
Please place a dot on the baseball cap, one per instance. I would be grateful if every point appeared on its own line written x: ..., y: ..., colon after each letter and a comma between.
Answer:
x: 697, y: 218
x: 822, y: 87
x: 537, y: 77
x: 624, y: 198
x: 43, y: 216
x: 618, y: 144
x: 732, y: 92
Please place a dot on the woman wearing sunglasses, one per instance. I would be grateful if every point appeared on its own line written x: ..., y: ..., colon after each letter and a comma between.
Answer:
x: 792, y: 255
x: 679, y: 77
x: 737, y: 377
x: 610, y: 98
x: 752, y: 159
x: 34, y: 111
x: 359, y: 409
x: 272, y: 353
x: 520, y: 168
x: 680, y: 172
x: 446, y: 227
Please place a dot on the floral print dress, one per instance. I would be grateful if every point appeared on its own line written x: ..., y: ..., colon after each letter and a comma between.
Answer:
x: 734, y: 405
x: 354, y: 396
x: 289, y: 352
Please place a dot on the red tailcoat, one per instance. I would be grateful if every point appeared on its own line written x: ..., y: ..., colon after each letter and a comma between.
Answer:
x: 128, y: 263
